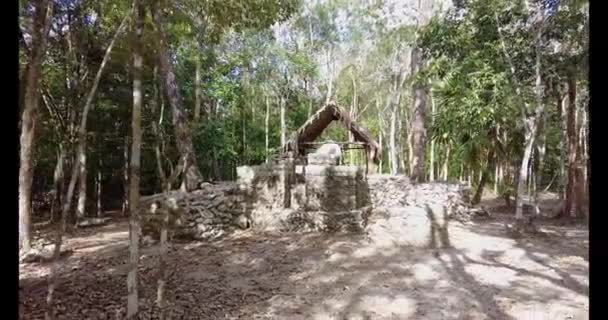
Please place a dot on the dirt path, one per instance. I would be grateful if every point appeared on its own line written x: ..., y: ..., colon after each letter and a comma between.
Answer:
x: 484, y: 275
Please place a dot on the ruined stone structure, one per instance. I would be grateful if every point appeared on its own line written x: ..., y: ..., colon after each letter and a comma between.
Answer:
x: 309, y: 192
x: 305, y: 197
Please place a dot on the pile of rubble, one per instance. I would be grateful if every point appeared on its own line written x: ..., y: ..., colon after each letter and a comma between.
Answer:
x: 202, y: 214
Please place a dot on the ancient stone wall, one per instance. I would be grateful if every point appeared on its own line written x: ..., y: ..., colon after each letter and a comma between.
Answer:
x: 206, y: 213
x: 320, y: 198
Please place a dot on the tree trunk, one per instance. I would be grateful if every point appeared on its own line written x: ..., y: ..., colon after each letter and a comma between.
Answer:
x: 42, y: 19
x: 418, y: 124
x: 461, y: 175
x: 266, y: 130
x: 82, y: 182
x: 523, y: 169
x: 446, y: 163
x: 394, y: 104
x: 561, y: 112
x: 540, y: 152
x: 330, y: 81
x: 484, y: 177
x: 496, y: 173
x: 584, y: 154
x: 283, y: 122
x: 381, y: 147
x: 432, y: 155
x: 530, y: 174
x: 197, y: 91
x: 570, y: 205
x: 353, y: 116
x: 82, y: 129
x: 58, y: 179
x: 391, y: 141
x: 531, y: 128
x: 162, y: 277
x: 52, y: 279
x: 157, y: 133
x: 125, y: 178
x: 310, y: 52
x: 98, y: 188
x: 183, y: 136
x: 165, y: 187
x: 132, y: 299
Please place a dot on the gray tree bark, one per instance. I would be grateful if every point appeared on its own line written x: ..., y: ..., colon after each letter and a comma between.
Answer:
x: 283, y: 121
x: 266, y: 130
x: 446, y: 162
x: 531, y: 129
x: 42, y: 20
x: 134, y: 228
x: 432, y: 155
x: 197, y: 90
x: 420, y: 93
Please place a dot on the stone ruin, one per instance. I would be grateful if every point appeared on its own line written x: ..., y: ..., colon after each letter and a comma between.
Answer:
x: 312, y: 192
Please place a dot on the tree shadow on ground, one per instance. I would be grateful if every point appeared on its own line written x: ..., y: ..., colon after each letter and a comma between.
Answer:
x: 296, y: 276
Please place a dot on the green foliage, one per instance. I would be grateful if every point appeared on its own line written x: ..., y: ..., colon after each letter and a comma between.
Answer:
x: 254, y: 52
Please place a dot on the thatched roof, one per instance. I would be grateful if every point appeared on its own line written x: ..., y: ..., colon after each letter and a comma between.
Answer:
x: 318, y: 122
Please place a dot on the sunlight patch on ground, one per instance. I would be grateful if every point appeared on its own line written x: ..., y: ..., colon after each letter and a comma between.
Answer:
x: 494, y: 276
x: 546, y: 312
x: 423, y: 272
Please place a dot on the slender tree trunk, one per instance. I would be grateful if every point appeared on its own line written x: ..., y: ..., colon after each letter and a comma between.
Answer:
x: 496, y: 173
x: 310, y: 52
x: 165, y: 187
x: 162, y: 277
x: 132, y: 299
x: 266, y: 130
x: 501, y: 173
x: 461, y: 176
x: 432, y: 160
x: 197, y: 90
x: 531, y: 128
x: 392, y: 141
x: 584, y: 199
x: 540, y: 152
x: 98, y: 188
x: 394, y: 104
x: 42, y: 19
x: 125, y: 178
x: 52, y: 278
x: 484, y: 177
x: 157, y: 133
x: 283, y: 122
x: 58, y: 179
x: 418, y: 124
x: 570, y: 204
x: 82, y: 183
x: 530, y: 174
x: 353, y: 115
x: 183, y: 136
x: 82, y: 129
x: 561, y: 112
x: 381, y: 147
x: 446, y: 163
x: 330, y: 81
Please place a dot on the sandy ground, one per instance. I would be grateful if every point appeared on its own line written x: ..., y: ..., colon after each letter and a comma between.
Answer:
x: 483, y: 275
